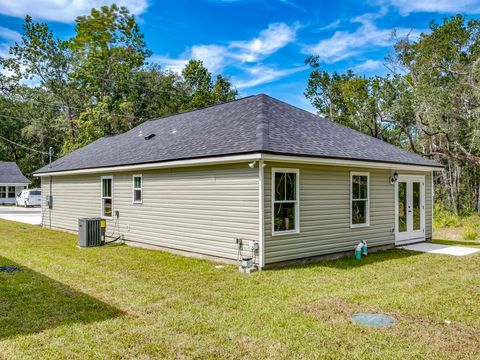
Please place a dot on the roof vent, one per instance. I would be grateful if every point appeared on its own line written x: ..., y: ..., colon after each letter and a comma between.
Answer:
x: 149, y: 136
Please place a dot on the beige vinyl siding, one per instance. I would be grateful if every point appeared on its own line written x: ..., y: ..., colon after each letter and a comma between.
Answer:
x: 197, y: 209
x: 325, y: 212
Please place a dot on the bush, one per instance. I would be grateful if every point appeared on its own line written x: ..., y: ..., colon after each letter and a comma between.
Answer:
x: 470, y: 233
x: 445, y: 219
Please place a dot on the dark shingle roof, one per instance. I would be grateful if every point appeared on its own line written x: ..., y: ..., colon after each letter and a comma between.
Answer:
x: 257, y: 123
x: 11, y: 174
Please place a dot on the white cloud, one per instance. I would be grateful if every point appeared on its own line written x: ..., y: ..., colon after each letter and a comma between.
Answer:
x: 214, y: 57
x: 261, y: 74
x: 330, y: 26
x: 275, y: 37
x: 217, y: 57
x: 369, y: 65
x: 440, y: 6
x: 9, y: 34
x: 344, y: 44
x: 63, y: 10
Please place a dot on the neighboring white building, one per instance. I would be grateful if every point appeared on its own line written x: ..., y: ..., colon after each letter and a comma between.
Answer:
x: 12, y: 181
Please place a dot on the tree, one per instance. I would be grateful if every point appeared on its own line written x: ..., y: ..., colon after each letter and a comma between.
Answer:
x: 96, y: 83
x: 354, y: 101
x: 201, y: 90
x: 443, y: 72
x: 429, y: 104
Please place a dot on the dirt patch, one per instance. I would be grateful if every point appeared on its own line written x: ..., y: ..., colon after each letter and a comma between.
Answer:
x: 452, y: 340
x: 449, y: 234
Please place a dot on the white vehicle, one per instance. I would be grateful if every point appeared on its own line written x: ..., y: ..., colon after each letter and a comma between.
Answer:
x: 29, y: 197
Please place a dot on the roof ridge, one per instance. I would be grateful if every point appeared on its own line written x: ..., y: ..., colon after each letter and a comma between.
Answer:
x: 262, y: 125
x: 202, y: 108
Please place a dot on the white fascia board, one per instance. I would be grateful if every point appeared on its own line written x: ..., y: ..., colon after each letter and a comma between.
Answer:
x: 14, y: 184
x: 347, y: 163
x: 242, y: 158
x: 158, y: 165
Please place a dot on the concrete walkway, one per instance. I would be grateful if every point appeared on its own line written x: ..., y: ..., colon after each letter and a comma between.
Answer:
x: 32, y: 216
x: 441, y: 249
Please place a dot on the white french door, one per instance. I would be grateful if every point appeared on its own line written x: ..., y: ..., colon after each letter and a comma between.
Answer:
x: 409, y: 209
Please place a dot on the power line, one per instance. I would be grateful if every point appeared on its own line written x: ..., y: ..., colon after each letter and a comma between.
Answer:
x: 78, y: 108
x: 23, y: 146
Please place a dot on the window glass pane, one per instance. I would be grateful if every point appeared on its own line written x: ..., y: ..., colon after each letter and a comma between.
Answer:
x: 36, y: 192
x: 280, y: 186
x: 137, y: 195
x: 355, y: 186
x: 290, y: 186
x: 137, y: 182
x: 107, y: 187
x: 107, y: 207
x: 363, y: 187
x: 11, y: 191
x: 402, y: 206
x: 359, y: 212
x: 416, y: 206
x: 3, y: 192
x: 284, y: 216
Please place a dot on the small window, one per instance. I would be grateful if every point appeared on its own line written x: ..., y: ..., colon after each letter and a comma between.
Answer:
x: 285, y: 204
x: 107, y: 196
x: 3, y: 192
x: 11, y: 191
x: 359, y: 201
x: 137, y: 189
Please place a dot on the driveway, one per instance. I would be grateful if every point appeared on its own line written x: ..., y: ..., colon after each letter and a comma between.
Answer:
x: 31, y: 216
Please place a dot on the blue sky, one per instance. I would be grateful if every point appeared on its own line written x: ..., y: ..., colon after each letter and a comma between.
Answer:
x: 260, y: 44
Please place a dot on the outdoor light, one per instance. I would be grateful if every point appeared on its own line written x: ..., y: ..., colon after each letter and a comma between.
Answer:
x: 394, y: 178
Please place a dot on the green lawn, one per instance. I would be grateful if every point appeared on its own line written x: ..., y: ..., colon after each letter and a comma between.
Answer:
x: 125, y: 302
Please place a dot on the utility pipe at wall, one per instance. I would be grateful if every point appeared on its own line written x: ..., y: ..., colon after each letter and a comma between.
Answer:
x: 261, y: 227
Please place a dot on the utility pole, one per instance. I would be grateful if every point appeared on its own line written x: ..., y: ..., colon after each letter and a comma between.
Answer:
x: 50, y: 154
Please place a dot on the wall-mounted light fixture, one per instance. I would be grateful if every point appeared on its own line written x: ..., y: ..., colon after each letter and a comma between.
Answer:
x: 252, y: 164
x: 394, y: 178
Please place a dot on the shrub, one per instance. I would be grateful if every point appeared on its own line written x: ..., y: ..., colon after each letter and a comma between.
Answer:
x: 445, y: 219
x: 470, y: 233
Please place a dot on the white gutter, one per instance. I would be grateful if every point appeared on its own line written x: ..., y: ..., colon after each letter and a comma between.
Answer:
x: 242, y: 158
x: 348, y: 163
x: 157, y: 165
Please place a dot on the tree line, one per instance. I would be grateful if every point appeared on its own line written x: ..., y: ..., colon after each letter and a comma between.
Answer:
x: 428, y: 103
x: 66, y: 93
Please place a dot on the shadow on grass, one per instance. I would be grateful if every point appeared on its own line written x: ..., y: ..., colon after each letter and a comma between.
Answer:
x: 349, y: 262
x: 31, y: 302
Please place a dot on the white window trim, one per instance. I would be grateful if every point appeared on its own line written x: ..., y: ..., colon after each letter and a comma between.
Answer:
x: 367, y: 218
x: 297, y: 201
x: 133, y: 189
x: 14, y: 192
x: 101, y: 197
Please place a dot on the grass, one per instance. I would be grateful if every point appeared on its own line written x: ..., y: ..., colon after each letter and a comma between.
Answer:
x: 122, y: 302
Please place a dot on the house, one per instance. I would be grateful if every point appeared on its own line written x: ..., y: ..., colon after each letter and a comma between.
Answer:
x: 12, y: 181
x: 257, y: 169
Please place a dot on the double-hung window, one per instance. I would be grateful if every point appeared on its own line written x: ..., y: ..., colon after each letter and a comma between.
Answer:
x: 137, y: 195
x: 285, y: 201
x: 359, y: 199
x: 11, y: 192
x: 3, y: 192
x: 107, y: 196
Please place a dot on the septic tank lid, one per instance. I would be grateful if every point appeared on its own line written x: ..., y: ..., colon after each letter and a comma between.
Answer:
x: 373, y: 320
